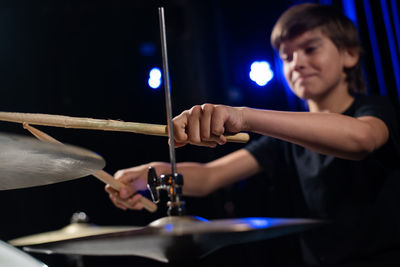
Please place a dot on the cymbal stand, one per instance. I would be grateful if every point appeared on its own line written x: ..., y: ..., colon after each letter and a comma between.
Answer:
x: 173, y: 185
x: 171, y: 182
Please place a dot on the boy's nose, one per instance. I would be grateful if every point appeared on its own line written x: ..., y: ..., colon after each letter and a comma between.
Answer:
x: 298, y: 61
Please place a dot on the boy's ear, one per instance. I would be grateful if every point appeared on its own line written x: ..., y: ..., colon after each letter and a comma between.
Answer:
x: 351, y: 57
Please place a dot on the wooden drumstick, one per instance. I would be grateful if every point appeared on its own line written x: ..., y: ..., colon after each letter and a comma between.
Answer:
x: 117, y: 185
x: 98, y: 124
x: 101, y: 175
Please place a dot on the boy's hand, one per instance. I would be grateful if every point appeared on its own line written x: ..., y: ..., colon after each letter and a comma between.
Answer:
x: 205, y: 125
x: 134, y: 179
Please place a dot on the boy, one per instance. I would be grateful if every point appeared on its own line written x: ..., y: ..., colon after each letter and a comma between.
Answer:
x: 342, y: 151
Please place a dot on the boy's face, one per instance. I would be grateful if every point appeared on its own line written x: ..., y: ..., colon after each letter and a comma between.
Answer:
x: 313, y: 65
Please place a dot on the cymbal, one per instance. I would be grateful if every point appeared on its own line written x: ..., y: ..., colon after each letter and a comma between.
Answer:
x: 71, y: 231
x: 177, y: 238
x: 27, y: 162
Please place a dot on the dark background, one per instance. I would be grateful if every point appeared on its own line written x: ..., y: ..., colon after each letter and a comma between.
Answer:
x: 86, y: 59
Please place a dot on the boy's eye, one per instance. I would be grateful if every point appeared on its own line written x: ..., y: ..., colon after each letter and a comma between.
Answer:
x: 286, y: 58
x: 310, y: 49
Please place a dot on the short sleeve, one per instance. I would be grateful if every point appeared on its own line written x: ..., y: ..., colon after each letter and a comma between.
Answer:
x: 380, y: 107
x: 268, y: 152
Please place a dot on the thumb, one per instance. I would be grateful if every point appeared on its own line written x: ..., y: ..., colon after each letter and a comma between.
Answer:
x: 126, y: 191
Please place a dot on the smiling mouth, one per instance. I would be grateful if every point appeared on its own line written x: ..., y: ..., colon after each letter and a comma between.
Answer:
x: 303, y: 78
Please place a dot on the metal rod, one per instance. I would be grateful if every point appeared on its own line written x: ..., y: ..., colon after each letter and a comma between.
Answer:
x: 167, y: 89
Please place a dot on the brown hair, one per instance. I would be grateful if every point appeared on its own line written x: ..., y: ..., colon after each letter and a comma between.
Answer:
x: 336, y: 26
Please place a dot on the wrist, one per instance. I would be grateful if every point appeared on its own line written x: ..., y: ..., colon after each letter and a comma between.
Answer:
x: 160, y: 167
x: 244, y: 115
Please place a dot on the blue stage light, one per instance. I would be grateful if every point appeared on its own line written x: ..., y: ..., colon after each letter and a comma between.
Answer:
x: 147, y: 49
x: 349, y: 7
x: 375, y: 48
x: 154, y: 78
x: 256, y: 223
x: 261, y: 72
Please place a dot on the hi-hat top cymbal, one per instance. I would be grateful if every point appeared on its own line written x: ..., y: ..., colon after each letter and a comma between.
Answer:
x: 26, y: 162
x: 176, y: 238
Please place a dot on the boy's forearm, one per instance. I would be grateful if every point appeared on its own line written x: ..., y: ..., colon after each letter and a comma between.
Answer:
x: 203, y: 178
x: 326, y: 133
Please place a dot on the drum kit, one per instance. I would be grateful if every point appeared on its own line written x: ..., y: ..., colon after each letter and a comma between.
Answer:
x: 27, y: 162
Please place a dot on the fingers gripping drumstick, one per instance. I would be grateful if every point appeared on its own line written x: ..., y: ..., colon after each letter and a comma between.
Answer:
x: 101, y: 175
x: 117, y: 185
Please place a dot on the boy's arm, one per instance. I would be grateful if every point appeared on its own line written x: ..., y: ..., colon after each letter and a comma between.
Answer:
x: 327, y: 133
x: 202, y: 179
x: 199, y: 179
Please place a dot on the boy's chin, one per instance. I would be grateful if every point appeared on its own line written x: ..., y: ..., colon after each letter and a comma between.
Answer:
x: 307, y: 93
x: 302, y: 93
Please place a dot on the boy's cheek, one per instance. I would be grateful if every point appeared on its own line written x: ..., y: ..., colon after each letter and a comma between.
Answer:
x: 286, y: 74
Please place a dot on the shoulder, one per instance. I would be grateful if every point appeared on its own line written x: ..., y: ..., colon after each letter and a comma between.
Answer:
x: 382, y: 108
x: 373, y: 105
x: 374, y: 100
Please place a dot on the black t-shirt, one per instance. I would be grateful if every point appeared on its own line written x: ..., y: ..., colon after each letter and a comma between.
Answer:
x: 360, y: 198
